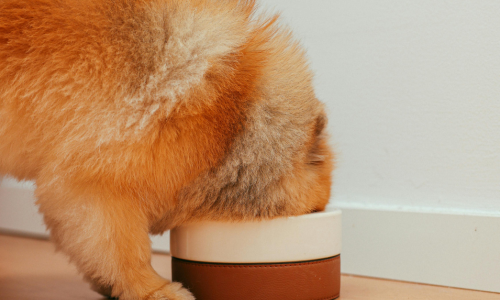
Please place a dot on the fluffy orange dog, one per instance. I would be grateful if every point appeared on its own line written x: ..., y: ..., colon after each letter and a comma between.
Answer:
x: 134, y: 116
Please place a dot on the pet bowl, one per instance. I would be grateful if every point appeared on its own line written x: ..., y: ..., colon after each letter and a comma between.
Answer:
x: 295, y: 258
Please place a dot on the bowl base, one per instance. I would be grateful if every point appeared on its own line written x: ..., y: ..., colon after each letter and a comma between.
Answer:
x: 305, y: 280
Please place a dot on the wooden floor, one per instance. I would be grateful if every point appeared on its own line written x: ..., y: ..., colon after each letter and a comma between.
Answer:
x: 29, y: 270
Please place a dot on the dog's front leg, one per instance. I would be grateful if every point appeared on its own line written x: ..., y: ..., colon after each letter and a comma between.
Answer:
x: 106, y: 236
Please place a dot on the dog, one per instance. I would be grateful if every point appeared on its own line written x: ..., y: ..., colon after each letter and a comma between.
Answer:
x: 136, y: 116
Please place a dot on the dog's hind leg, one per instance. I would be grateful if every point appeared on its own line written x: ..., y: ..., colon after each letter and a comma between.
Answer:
x: 107, y: 238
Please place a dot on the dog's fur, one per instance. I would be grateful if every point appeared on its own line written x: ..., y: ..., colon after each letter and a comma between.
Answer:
x: 135, y: 116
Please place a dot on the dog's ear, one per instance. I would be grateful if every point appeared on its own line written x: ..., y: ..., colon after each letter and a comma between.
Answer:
x: 320, y: 124
x: 318, y: 150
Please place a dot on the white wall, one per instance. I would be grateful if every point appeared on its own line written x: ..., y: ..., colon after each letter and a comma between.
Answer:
x: 414, y: 97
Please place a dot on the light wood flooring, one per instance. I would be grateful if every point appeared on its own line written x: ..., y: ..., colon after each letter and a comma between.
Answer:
x: 31, y: 270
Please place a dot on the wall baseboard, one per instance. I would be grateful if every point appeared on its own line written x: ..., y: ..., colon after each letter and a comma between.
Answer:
x: 19, y: 215
x: 18, y: 212
x: 434, y: 248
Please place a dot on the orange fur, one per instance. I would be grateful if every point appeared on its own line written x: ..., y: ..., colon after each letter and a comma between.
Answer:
x: 135, y: 116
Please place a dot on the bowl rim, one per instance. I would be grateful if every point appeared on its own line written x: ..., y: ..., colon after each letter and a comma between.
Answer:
x: 329, y: 211
x: 285, y: 239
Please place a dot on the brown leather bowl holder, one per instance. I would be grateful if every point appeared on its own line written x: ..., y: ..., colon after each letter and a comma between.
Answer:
x: 307, y: 280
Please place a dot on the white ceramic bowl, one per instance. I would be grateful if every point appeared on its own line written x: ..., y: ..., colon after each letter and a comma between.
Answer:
x: 302, y: 238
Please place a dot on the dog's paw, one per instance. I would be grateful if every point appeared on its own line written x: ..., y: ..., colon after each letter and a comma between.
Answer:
x: 172, y: 291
